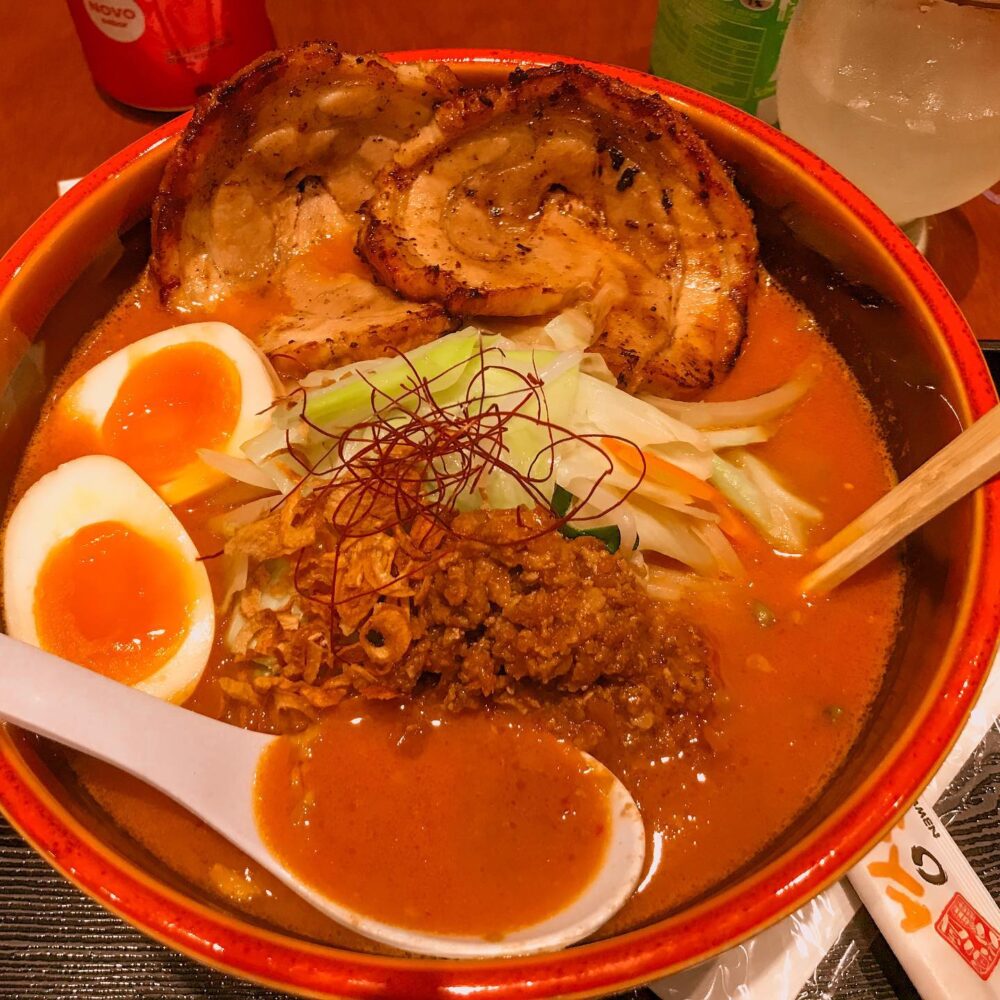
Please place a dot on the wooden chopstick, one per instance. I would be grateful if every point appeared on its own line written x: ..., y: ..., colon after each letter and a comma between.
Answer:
x: 957, y: 469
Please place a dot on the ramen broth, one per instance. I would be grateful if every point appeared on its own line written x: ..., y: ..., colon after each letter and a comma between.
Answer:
x: 505, y: 824
x: 795, y: 678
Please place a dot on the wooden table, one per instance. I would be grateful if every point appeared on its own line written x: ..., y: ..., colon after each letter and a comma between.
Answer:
x: 54, y: 124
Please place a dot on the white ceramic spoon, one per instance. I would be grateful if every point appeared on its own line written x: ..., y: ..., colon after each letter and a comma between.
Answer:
x: 209, y: 768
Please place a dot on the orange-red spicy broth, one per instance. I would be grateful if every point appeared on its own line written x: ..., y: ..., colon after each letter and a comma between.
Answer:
x: 795, y: 679
x: 473, y: 824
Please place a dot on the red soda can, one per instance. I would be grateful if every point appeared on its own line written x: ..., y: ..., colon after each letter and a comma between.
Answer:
x: 162, y: 55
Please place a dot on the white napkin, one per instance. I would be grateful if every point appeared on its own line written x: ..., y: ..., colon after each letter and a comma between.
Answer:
x: 778, y: 962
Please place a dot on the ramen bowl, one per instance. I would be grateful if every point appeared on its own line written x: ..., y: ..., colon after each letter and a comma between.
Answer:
x: 918, y: 363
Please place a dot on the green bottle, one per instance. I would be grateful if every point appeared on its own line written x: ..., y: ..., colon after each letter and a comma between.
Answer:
x: 726, y: 48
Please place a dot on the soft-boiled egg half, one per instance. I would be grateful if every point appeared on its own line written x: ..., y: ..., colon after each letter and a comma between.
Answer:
x: 98, y: 570
x: 156, y: 402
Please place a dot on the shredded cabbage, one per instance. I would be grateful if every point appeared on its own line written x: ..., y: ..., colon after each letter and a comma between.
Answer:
x: 739, y: 413
x: 353, y: 391
x: 571, y: 330
x: 737, y: 437
x: 754, y: 489
x: 240, y: 469
x: 541, y: 414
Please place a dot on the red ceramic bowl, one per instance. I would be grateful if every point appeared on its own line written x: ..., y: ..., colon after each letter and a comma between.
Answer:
x: 913, y: 353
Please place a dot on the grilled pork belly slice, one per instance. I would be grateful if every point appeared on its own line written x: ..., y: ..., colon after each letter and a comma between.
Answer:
x: 334, y: 319
x: 564, y: 188
x: 275, y: 162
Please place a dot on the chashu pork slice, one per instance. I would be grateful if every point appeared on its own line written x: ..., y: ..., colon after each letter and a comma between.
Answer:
x: 565, y: 187
x: 271, y: 169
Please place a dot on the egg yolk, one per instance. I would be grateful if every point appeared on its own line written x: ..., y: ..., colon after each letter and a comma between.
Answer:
x: 113, y: 600
x: 170, y: 404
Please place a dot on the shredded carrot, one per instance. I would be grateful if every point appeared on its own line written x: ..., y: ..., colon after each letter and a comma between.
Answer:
x: 667, y: 474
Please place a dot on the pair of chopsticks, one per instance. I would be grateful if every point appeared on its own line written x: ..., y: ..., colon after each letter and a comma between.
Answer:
x: 963, y: 464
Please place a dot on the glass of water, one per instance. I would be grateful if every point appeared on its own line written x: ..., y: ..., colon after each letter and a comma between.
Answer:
x: 901, y: 96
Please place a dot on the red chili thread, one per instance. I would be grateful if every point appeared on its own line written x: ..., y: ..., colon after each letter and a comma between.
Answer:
x: 420, y: 456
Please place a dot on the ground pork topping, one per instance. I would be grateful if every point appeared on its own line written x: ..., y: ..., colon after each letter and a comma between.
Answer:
x: 496, y: 609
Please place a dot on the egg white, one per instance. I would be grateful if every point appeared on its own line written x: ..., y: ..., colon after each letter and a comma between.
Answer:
x: 92, y: 395
x: 87, y: 491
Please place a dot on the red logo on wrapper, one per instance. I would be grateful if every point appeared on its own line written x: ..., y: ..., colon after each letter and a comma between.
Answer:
x: 970, y: 935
